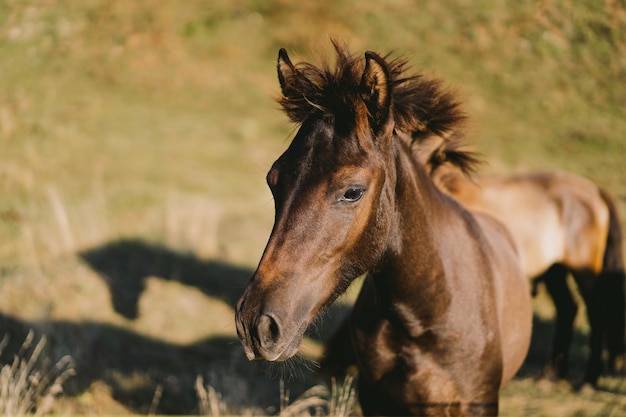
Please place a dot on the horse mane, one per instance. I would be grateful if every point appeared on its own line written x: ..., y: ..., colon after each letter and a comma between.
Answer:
x: 451, y: 164
x: 420, y: 106
x: 453, y: 153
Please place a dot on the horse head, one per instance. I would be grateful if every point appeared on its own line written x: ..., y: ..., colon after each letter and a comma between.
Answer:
x: 331, y: 223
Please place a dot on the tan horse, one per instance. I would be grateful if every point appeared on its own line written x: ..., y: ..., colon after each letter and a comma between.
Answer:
x: 444, y: 316
x: 561, y: 222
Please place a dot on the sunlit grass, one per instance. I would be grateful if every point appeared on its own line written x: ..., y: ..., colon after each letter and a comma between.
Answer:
x: 28, y: 385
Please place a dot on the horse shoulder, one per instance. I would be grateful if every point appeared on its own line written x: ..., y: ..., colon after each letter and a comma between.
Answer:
x: 512, y: 295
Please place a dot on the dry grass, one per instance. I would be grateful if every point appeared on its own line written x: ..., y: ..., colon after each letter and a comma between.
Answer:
x: 532, y: 397
x: 319, y: 400
x: 210, y: 401
x: 28, y: 385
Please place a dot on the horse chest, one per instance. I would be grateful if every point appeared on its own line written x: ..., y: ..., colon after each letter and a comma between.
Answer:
x: 426, y: 358
x: 419, y: 365
x: 417, y: 380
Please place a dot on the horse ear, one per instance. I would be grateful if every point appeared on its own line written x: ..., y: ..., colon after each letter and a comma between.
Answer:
x: 376, y: 89
x: 287, y: 73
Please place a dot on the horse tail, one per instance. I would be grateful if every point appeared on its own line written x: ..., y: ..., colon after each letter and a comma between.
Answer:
x: 613, y: 261
x: 613, y: 278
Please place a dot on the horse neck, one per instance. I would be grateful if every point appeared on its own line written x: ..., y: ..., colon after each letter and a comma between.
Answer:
x: 412, y: 265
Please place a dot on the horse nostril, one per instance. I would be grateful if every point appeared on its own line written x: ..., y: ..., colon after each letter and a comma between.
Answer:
x: 268, y: 331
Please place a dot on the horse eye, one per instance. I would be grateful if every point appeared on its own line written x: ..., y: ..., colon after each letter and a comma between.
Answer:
x: 352, y: 195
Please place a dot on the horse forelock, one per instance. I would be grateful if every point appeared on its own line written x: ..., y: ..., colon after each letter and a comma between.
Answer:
x: 420, y: 106
x: 326, y: 92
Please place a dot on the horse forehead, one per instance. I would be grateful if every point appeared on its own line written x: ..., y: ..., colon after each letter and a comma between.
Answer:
x: 321, y: 149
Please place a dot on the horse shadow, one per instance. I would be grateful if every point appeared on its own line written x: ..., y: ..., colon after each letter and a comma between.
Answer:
x: 124, y: 265
x: 135, y: 368
x: 142, y: 374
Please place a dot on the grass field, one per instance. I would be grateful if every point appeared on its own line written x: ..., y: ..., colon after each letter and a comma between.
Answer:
x: 134, y: 142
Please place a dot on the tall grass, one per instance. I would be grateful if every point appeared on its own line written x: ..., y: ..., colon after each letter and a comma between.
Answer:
x: 29, y: 385
x: 337, y: 401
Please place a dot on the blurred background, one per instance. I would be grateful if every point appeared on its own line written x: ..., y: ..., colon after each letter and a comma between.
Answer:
x: 134, y: 141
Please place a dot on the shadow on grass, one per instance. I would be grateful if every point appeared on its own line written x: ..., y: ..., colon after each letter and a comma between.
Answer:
x: 541, y: 347
x: 126, y: 264
x: 134, y: 367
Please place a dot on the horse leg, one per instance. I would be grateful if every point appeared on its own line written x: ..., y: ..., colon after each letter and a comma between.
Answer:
x: 613, y: 284
x: 613, y: 277
x: 555, y: 279
x: 592, y: 292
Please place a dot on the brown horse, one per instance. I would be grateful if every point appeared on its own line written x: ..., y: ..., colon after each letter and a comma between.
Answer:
x: 444, y: 317
x: 562, y: 223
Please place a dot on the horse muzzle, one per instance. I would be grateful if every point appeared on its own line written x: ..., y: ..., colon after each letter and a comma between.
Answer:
x: 262, y: 334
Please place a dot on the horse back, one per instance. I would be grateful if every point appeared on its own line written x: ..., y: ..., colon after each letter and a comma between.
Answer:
x: 554, y: 216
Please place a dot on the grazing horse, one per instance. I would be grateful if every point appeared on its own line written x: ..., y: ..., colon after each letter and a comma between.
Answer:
x: 444, y: 316
x: 562, y: 223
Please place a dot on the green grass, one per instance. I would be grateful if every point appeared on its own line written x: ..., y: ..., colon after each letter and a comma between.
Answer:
x: 143, y: 133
